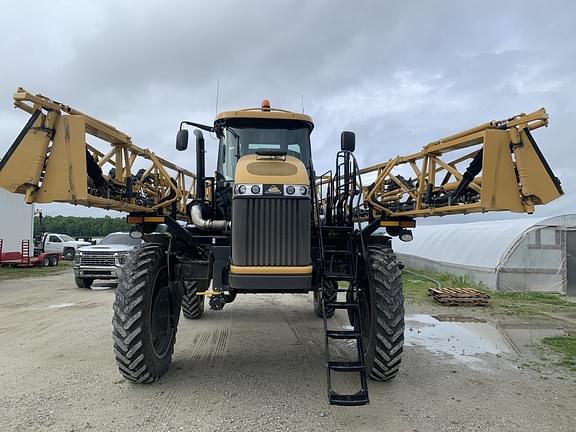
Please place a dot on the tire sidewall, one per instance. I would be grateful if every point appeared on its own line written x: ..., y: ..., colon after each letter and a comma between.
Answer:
x: 157, y: 364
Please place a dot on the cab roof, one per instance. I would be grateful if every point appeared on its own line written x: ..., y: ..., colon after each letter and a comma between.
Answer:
x: 264, y: 112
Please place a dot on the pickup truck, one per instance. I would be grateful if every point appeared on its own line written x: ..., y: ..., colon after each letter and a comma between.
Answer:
x: 60, y: 243
x: 104, y: 260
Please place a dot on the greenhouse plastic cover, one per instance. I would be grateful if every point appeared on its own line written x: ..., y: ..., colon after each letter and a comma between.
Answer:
x: 495, y: 253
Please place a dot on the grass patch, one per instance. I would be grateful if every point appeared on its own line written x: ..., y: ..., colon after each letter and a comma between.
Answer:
x: 528, y: 303
x: 23, y: 272
x: 566, y: 346
x: 416, y: 287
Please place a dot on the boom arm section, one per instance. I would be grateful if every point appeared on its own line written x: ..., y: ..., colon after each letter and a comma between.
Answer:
x: 496, y: 166
x: 51, y: 161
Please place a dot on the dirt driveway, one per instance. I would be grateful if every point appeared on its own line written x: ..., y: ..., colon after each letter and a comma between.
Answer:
x: 257, y: 366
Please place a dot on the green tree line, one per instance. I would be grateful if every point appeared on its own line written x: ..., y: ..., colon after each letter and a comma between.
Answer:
x: 80, y: 226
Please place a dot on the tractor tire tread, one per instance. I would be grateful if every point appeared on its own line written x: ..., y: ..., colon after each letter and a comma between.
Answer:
x: 192, y: 304
x: 129, y: 314
x: 386, y: 276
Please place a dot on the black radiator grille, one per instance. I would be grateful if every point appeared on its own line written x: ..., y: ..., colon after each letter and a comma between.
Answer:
x: 270, y: 232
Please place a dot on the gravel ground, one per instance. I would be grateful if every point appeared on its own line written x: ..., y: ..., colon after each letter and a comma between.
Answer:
x: 256, y: 366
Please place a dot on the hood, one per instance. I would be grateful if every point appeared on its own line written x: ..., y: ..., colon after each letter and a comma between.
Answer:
x: 107, y: 248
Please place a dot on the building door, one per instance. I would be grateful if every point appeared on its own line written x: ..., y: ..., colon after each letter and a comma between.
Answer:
x: 571, y: 262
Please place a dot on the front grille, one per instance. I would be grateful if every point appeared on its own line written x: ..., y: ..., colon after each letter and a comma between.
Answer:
x: 270, y: 232
x: 103, y: 259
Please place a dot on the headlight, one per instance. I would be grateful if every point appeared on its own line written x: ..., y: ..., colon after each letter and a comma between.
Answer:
x: 303, y: 190
x: 290, y: 190
x: 248, y: 189
x: 78, y: 258
x: 120, y: 258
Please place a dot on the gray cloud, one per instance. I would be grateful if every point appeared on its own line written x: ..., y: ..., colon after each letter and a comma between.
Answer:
x: 400, y: 74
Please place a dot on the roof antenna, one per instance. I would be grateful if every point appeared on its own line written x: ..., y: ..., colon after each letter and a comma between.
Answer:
x: 217, y: 95
x: 302, y: 97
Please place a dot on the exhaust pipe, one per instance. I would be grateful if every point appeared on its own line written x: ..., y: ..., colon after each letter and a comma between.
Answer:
x: 196, y: 208
x: 207, y: 224
x: 200, y: 167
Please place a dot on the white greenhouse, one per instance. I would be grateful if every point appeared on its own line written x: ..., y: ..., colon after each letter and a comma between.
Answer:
x: 509, y: 255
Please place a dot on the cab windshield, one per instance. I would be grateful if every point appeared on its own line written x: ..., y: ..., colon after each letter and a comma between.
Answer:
x: 239, y: 140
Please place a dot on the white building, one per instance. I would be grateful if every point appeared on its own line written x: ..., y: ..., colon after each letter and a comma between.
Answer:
x: 509, y: 255
x: 16, y: 222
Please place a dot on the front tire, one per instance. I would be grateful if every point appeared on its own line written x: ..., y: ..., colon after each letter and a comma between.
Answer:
x: 144, y: 328
x: 69, y: 254
x: 383, y: 313
x: 83, y: 282
x: 192, y: 304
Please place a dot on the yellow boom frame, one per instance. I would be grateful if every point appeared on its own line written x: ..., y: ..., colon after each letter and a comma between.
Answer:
x: 514, y: 175
x: 48, y: 163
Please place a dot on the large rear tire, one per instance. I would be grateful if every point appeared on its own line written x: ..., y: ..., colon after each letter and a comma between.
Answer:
x: 144, y: 329
x: 330, y: 296
x: 383, y: 313
x: 192, y: 304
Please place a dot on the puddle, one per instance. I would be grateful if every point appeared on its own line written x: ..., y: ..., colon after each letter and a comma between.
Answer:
x: 60, y: 306
x: 464, y: 338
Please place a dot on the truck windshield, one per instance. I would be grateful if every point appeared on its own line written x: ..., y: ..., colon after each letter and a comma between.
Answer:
x: 123, y: 239
x: 291, y: 137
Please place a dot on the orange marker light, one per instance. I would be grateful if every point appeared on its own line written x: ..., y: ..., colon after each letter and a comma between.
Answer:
x: 265, y: 105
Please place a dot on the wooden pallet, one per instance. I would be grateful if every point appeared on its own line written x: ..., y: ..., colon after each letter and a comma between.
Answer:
x: 459, y: 296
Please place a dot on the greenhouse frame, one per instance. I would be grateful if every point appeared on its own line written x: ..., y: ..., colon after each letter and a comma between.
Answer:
x: 527, y: 254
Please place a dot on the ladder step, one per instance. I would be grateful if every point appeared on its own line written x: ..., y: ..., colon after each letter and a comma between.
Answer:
x: 337, y: 252
x: 355, y: 399
x: 341, y: 305
x: 339, y: 276
x: 336, y: 228
x: 343, y: 334
x: 344, y: 366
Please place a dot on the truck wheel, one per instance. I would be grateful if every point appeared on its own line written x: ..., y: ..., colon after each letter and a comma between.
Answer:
x: 46, y: 261
x: 331, y: 295
x: 69, y: 254
x: 83, y: 282
x: 192, y: 304
x: 54, y: 260
x: 144, y: 330
x: 382, y: 312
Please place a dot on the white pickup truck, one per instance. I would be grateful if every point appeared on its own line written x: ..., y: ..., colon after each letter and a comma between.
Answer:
x: 62, y: 244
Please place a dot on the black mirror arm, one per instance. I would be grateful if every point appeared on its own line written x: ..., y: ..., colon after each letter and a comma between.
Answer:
x: 198, y: 125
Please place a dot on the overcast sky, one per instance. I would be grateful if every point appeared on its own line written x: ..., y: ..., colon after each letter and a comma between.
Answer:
x: 399, y: 74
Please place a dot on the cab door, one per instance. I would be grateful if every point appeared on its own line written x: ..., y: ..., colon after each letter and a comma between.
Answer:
x: 53, y: 244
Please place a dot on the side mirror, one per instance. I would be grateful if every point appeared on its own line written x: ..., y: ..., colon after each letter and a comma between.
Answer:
x: 348, y: 141
x: 182, y: 140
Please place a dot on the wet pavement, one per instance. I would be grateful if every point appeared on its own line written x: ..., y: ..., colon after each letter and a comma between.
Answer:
x: 463, y: 338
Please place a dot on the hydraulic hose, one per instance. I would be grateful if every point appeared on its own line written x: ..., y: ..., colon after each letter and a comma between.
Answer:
x: 438, y: 284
